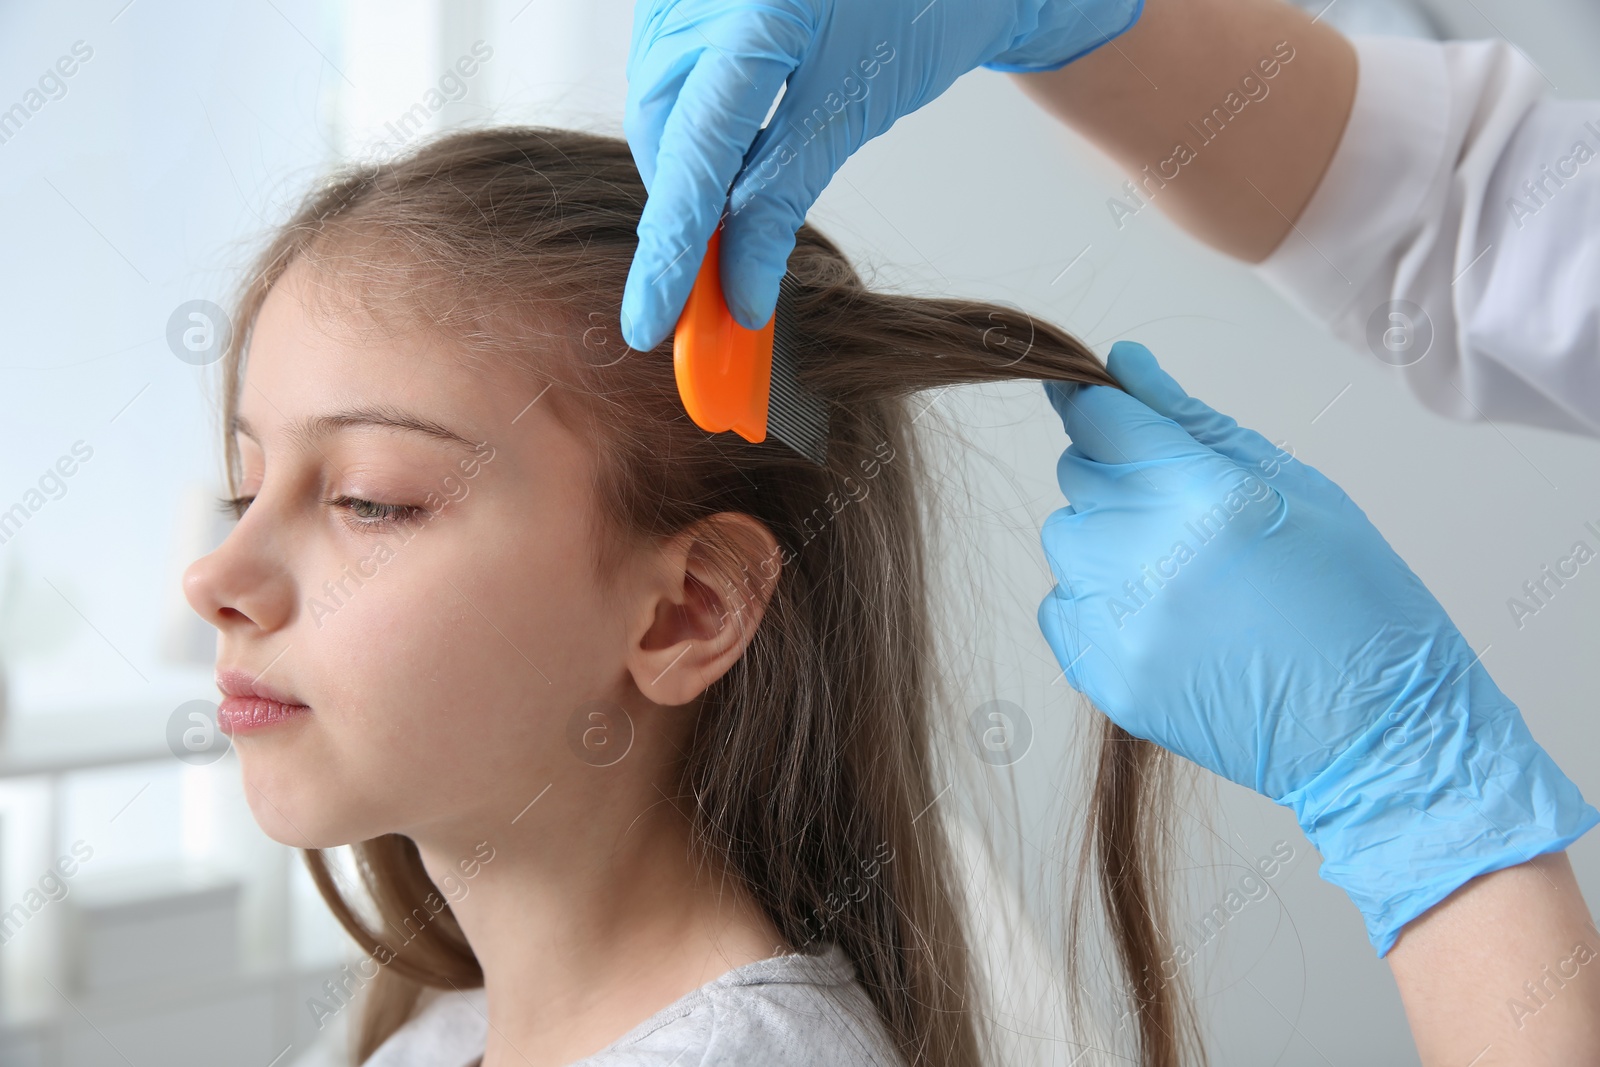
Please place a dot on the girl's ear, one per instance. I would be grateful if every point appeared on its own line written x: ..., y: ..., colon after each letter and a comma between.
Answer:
x: 703, y: 616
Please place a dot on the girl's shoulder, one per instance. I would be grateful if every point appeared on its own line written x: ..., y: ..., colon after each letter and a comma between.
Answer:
x: 788, y: 1011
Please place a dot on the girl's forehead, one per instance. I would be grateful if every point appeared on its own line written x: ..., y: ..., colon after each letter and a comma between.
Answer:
x: 311, y: 332
x: 317, y: 364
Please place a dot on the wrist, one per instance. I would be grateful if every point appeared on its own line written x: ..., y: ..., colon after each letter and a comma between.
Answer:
x: 1467, y: 792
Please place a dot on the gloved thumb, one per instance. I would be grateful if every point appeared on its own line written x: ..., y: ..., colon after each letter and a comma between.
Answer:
x: 1110, y: 426
x: 1136, y: 369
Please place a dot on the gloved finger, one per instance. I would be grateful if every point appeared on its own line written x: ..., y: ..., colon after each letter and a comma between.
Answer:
x: 1087, y: 667
x: 1090, y: 485
x: 767, y: 205
x: 1136, y: 369
x: 1056, y: 618
x: 655, y: 76
x: 819, y: 123
x: 1110, y: 426
x: 712, y: 117
x: 718, y: 68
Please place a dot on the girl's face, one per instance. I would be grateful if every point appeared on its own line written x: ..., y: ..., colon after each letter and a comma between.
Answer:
x: 415, y: 567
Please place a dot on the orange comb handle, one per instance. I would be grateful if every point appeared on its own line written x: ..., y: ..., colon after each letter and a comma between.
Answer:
x: 724, y: 370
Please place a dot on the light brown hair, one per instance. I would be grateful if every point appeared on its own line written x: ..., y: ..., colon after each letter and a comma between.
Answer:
x: 813, y: 754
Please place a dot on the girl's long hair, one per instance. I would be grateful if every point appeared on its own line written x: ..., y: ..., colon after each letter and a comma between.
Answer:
x: 811, y: 762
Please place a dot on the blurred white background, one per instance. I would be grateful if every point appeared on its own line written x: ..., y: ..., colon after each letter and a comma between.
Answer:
x: 144, y: 180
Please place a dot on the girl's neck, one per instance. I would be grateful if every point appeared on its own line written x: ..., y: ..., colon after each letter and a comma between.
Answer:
x: 584, y: 932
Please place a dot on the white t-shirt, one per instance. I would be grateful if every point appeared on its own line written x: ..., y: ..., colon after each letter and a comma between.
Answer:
x: 787, y: 1011
x: 1462, y: 190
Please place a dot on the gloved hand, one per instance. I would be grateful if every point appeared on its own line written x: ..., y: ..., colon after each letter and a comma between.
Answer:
x: 702, y: 74
x: 1226, y: 601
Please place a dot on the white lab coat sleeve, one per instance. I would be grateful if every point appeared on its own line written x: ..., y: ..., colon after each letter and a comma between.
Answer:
x: 1456, y: 234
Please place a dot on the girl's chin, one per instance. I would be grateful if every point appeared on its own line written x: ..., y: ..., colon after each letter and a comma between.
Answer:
x: 290, y: 836
x: 290, y: 818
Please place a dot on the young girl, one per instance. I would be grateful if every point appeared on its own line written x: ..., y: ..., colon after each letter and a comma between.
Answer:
x: 627, y: 723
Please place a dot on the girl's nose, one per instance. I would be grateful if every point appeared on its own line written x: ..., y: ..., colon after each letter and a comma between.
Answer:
x: 240, y: 585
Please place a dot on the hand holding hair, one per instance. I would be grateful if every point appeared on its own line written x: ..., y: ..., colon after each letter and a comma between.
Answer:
x: 1230, y: 603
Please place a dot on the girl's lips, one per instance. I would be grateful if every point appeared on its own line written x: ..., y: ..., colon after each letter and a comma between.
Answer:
x: 247, y: 714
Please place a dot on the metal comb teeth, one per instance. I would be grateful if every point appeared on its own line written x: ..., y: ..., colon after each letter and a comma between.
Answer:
x: 795, y: 415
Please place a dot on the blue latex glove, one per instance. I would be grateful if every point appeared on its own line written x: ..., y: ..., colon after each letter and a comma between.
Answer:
x: 1228, y: 602
x: 702, y: 75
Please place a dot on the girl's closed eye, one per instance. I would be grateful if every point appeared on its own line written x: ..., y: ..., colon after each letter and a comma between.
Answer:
x: 234, y: 506
x: 368, y: 514
x: 362, y: 514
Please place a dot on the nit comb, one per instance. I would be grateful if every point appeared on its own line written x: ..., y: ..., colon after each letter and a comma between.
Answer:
x: 733, y: 378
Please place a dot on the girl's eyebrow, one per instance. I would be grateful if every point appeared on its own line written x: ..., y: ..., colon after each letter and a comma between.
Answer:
x: 305, y: 431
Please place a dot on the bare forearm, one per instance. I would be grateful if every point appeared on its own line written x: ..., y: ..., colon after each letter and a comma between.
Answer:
x: 1232, y: 161
x: 1506, y: 970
